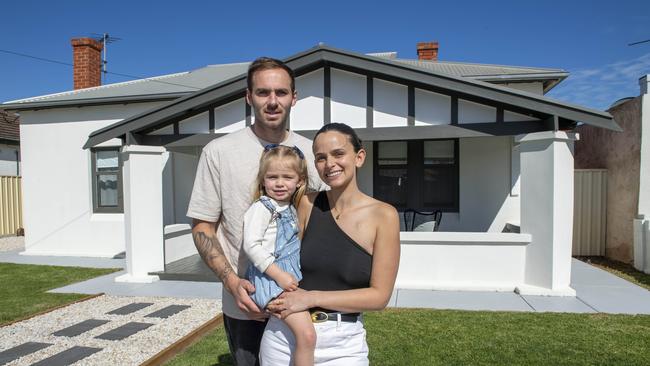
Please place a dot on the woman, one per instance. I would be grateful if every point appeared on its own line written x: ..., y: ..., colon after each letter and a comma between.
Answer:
x: 349, y: 257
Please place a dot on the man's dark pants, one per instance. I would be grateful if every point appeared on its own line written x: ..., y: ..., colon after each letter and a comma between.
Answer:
x: 244, y: 338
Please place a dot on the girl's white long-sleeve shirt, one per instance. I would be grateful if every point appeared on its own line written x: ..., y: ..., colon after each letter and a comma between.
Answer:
x: 260, y: 233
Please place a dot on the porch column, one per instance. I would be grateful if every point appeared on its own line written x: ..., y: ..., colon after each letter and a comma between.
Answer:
x: 547, y: 211
x: 143, y: 212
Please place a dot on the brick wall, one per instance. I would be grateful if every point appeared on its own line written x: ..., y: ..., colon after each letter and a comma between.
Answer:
x: 428, y: 51
x: 87, y: 60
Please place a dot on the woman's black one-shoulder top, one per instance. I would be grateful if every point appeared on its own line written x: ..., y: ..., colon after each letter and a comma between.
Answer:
x: 330, y: 259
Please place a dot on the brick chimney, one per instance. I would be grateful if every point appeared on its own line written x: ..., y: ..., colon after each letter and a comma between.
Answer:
x: 87, y: 61
x: 428, y: 51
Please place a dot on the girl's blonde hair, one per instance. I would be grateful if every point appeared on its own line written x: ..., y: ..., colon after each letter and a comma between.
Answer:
x: 294, y: 158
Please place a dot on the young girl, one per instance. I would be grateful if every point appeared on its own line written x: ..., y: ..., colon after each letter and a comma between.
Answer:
x: 271, y: 239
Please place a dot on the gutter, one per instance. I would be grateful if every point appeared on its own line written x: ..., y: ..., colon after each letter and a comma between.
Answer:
x: 91, y: 101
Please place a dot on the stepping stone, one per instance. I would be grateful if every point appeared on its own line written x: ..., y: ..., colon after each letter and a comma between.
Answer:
x: 79, y: 328
x: 124, y: 331
x: 19, y: 351
x: 131, y: 308
x: 68, y: 357
x: 168, y: 311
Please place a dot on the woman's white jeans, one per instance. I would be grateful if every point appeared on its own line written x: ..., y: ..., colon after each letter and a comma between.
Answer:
x: 337, y: 343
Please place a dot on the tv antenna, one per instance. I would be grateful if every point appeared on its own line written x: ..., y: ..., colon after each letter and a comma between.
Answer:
x: 105, y: 39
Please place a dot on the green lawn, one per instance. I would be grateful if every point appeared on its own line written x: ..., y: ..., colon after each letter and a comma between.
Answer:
x: 450, y: 337
x: 23, y: 288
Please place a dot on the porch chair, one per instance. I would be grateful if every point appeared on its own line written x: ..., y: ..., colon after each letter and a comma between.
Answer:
x: 415, y: 220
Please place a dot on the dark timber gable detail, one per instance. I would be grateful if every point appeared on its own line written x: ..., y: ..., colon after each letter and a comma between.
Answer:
x: 541, y: 108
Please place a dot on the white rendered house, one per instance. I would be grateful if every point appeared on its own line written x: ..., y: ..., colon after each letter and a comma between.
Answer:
x: 110, y: 169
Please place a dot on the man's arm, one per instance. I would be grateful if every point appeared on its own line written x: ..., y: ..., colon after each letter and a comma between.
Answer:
x: 205, y: 240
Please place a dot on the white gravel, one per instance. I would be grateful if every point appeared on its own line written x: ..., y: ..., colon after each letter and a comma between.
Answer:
x: 12, y: 243
x: 132, y: 350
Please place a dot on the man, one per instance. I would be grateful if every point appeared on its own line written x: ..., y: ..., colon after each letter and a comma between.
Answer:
x: 223, y: 192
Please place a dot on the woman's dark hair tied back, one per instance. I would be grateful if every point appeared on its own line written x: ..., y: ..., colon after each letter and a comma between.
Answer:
x: 344, y: 129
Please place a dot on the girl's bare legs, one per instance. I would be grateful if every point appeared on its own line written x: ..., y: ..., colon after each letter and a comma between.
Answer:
x: 305, y: 334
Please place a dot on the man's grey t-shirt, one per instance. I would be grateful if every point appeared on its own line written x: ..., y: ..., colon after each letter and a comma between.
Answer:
x: 223, y: 191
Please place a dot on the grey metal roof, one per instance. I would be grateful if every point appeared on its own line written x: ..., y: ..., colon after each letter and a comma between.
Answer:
x: 478, y: 70
x: 493, y: 73
x: 168, y: 87
x: 322, y: 55
x: 160, y: 87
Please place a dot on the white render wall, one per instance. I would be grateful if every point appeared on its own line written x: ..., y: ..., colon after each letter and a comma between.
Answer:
x: 178, y: 180
x: 348, y: 98
x: 57, y: 206
x: 9, y: 160
x: 307, y: 114
x: 462, y: 261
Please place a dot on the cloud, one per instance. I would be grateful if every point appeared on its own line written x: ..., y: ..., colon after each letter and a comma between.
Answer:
x: 599, y: 87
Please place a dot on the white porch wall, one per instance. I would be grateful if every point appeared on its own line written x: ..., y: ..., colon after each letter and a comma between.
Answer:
x: 178, y: 180
x: 462, y: 261
x: 57, y: 186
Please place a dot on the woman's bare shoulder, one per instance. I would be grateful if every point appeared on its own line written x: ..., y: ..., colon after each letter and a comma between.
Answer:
x: 381, y: 209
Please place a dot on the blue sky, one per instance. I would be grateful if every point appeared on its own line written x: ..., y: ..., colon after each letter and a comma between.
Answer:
x: 587, y: 38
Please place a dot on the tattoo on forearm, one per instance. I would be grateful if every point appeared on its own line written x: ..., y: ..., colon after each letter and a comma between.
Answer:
x: 212, y: 254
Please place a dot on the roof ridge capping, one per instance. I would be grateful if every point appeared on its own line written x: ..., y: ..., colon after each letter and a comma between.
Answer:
x: 391, y: 55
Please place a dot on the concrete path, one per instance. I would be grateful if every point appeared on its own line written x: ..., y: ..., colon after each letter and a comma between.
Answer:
x: 597, y: 291
x: 14, y: 256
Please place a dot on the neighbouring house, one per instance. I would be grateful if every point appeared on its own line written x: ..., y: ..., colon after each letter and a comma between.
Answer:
x: 10, y: 193
x: 625, y: 155
x: 9, y: 144
x: 480, y: 142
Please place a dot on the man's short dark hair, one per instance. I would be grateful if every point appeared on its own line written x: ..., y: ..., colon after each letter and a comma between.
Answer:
x: 267, y: 63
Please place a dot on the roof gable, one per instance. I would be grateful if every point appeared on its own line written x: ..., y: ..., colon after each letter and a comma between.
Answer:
x: 326, y: 57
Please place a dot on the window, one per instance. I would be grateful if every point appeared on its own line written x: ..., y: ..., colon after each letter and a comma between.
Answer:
x: 418, y: 174
x: 107, y: 180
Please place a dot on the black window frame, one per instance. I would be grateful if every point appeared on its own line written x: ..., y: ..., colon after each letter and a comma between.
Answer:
x: 415, y: 175
x: 95, y: 178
